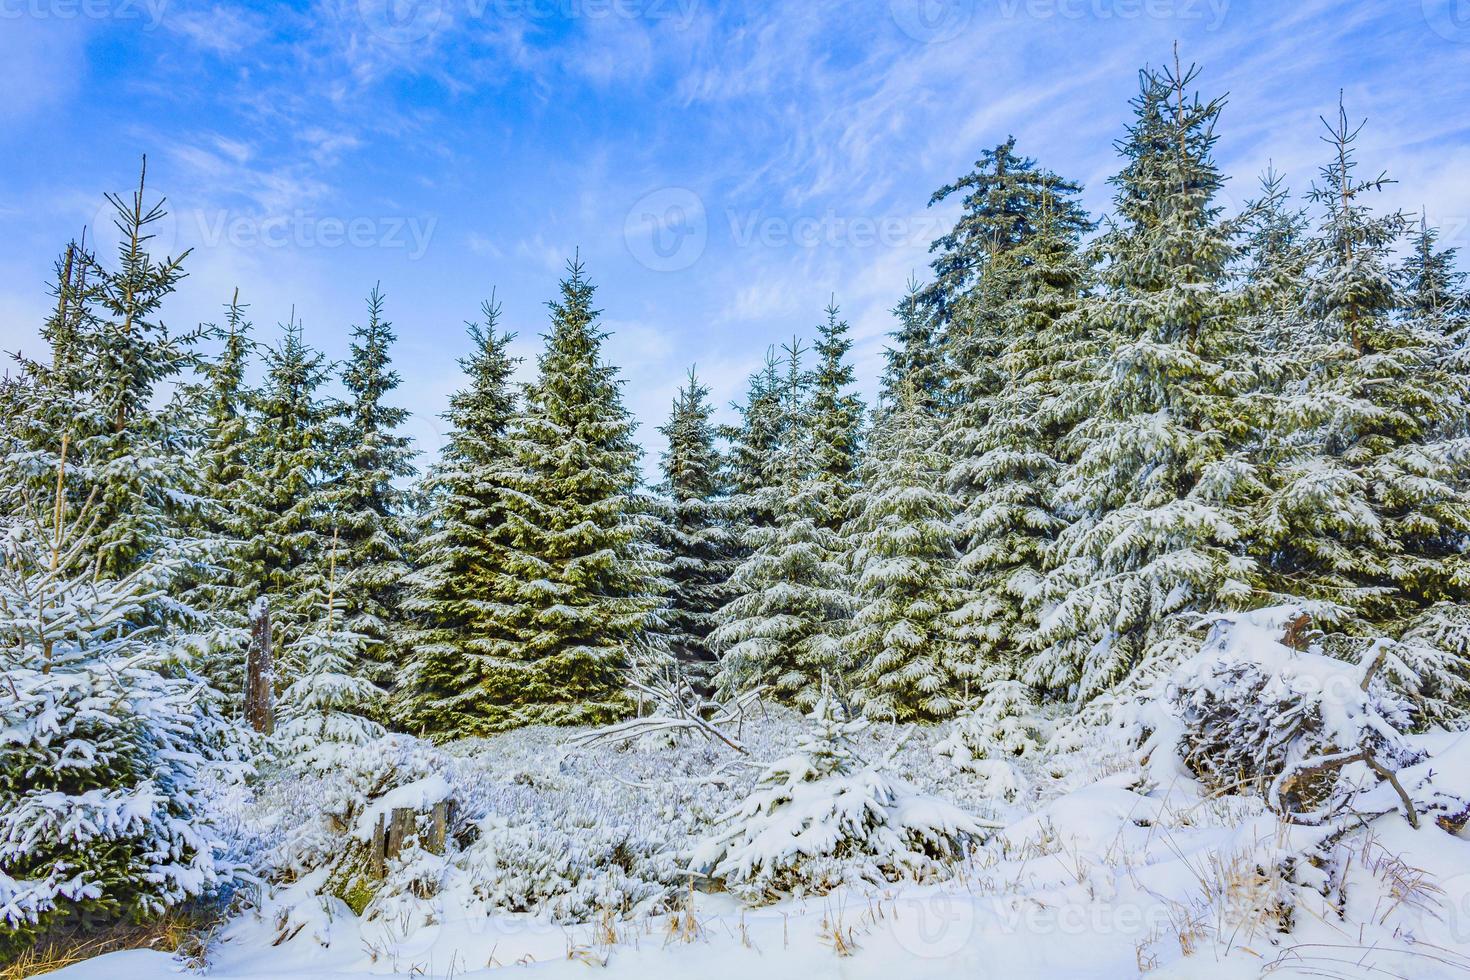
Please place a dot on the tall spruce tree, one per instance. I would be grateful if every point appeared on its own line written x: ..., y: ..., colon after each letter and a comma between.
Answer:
x: 1008, y: 278
x: 575, y: 589
x: 1275, y: 254
x: 50, y: 397
x: 1153, y: 488
x: 217, y: 591
x: 901, y: 645
x: 916, y: 360
x: 284, y: 504
x: 133, y: 451
x: 224, y: 456
x: 753, y: 442
x: 1004, y: 471
x: 1364, y: 512
x: 1003, y: 198
x: 440, y: 687
x: 782, y: 628
x: 105, y: 387
x: 368, y: 503
x: 698, y: 536
x: 835, y: 417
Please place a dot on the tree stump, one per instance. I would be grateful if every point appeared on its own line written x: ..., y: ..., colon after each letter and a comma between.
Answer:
x: 438, y: 828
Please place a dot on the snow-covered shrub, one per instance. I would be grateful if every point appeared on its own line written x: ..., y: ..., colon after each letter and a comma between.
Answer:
x: 1249, y: 713
x: 570, y: 868
x: 322, y: 710
x: 103, y: 734
x: 1431, y: 665
x: 101, y: 813
x: 1001, y: 726
x: 820, y: 817
x: 345, y: 802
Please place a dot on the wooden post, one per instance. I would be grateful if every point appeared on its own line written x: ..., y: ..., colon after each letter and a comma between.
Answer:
x: 439, y: 827
x: 401, y: 825
x: 259, y: 676
x: 380, y: 848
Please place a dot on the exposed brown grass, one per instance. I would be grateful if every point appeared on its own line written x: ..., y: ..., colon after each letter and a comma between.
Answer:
x: 185, y: 933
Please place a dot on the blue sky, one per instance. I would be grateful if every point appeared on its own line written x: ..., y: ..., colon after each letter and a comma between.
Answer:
x: 723, y: 168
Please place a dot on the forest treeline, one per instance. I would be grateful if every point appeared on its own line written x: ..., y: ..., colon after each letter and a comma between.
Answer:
x: 1092, y: 434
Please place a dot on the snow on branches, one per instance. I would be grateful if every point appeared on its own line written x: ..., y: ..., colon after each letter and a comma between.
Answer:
x: 1303, y: 730
x: 820, y: 817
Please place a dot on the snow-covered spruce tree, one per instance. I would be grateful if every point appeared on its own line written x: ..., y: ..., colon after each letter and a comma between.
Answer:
x: 820, y: 818
x: 916, y: 359
x: 1366, y: 511
x: 1274, y: 257
x: 1003, y: 444
x: 574, y: 588
x: 111, y: 362
x: 1432, y: 290
x: 368, y: 505
x: 753, y: 442
x: 128, y: 447
x: 1153, y: 486
x: 835, y: 417
x: 282, y: 504
x: 1430, y: 282
x: 997, y: 726
x: 697, y: 535
x: 901, y: 643
x: 791, y: 595
x: 224, y: 459
x: 439, y: 691
x: 1000, y: 467
x: 1003, y: 198
x: 324, y: 711
x: 101, y: 816
x: 215, y: 590
x: 46, y: 400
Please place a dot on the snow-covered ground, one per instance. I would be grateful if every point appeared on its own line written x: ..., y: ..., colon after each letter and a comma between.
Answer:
x: 1098, y: 872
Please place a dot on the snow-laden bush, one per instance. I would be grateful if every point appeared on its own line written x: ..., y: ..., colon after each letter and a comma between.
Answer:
x: 101, y: 814
x: 103, y: 734
x: 1250, y: 714
x: 1001, y: 726
x: 520, y: 840
x: 820, y: 817
x: 323, y: 725
x: 341, y: 802
x: 569, y: 869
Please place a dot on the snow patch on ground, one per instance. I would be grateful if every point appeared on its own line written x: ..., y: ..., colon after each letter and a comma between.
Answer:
x: 569, y: 857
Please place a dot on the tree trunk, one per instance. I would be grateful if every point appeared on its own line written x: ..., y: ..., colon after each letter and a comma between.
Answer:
x: 259, y: 675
